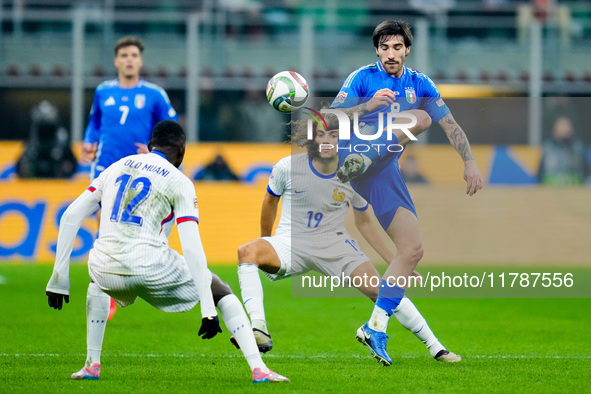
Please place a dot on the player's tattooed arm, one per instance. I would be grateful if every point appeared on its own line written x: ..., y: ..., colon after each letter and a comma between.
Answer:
x: 457, y: 137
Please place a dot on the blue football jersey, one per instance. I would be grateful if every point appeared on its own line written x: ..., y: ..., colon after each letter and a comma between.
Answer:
x: 413, y: 90
x: 382, y: 183
x: 122, y: 117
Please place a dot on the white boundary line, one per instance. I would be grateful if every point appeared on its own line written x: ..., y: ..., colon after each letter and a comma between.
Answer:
x: 301, y: 356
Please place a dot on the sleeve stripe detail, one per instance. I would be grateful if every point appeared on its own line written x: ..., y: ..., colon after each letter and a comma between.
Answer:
x: 349, y: 79
x: 168, y: 218
x: 271, y: 192
x: 91, y: 188
x: 187, y: 219
x: 362, y: 208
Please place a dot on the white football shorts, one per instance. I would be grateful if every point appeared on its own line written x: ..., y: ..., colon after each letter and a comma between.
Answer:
x: 333, y: 255
x: 166, y: 285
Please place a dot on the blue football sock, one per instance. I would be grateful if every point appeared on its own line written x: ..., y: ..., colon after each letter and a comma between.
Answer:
x: 389, y: 296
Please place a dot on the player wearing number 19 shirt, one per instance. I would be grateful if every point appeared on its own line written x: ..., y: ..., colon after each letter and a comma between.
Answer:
x: 311, y: 235
x: 124, y: 111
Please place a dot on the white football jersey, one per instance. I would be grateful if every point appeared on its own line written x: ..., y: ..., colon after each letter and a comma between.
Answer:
x: 313, y: 204
x: 138, y: 195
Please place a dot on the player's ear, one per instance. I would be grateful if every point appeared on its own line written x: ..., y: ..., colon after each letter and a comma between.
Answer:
x: 150, y: 145
x: 407, y: 50
x: 180, y: 156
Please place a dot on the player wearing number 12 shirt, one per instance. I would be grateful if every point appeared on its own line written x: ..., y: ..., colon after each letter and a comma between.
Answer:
x: 141, y: 195
x: 124, y: 111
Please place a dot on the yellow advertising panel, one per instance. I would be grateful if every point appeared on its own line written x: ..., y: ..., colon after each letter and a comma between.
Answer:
x: 30, y: 210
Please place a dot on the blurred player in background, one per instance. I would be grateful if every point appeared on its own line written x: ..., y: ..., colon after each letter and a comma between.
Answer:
x: 124, y: 111
x: 131, y: 258
x: 389, y: 86
x: 311, y: 235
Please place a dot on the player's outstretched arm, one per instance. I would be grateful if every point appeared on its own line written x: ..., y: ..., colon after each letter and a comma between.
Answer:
x: 370, y: 228
x: 457, y: 139
x: 58, y: 287
x: 268, y: 214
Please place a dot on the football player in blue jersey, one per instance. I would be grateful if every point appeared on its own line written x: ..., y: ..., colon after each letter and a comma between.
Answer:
x: 124, y: 111
x: 388, y: 86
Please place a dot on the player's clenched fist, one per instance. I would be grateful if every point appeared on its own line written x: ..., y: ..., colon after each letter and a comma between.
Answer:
x: 88, y: 151
x: 382, y: 97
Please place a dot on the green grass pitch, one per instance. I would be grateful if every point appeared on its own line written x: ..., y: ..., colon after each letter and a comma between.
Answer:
x: 508, y: 345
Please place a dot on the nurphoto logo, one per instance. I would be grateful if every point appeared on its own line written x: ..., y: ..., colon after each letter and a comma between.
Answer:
x: 361, y: 132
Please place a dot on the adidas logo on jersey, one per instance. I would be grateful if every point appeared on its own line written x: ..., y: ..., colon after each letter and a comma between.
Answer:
x: 110, y: 101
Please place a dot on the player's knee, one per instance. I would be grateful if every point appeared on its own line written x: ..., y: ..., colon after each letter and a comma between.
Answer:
x: 245, y: 253
x: 251, y: 252
x: 417, y: 253
x: 413, y: 253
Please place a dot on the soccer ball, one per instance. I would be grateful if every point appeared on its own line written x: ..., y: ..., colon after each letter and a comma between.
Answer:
x: 287, y: 91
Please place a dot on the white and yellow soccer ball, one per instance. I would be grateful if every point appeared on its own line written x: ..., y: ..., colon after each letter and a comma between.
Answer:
x: 287, y: 91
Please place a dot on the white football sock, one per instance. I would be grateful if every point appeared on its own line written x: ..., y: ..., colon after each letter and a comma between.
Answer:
x: 379, y: 319
x: 97, y: 312
x: 252, y: 290
x: 237, y: 323
x: 409, y: 316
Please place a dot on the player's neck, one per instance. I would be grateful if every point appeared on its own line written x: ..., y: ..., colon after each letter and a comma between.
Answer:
x: 128, y: 82
x: 326, y: 166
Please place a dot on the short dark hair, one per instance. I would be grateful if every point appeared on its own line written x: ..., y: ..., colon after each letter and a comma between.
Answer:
x: 392, y: 28
x: 168, y: 133
x: 128, y: 41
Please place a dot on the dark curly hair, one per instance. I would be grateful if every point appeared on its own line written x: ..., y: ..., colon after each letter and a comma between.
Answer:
x: 388, y: 29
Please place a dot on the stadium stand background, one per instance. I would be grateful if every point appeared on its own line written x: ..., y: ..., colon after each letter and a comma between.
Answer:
x: 244, y: 42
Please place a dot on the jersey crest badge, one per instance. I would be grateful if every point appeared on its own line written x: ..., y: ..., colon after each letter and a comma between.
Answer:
x: 338, y: 197
x: 411, y: 96
x: 140, y: 101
